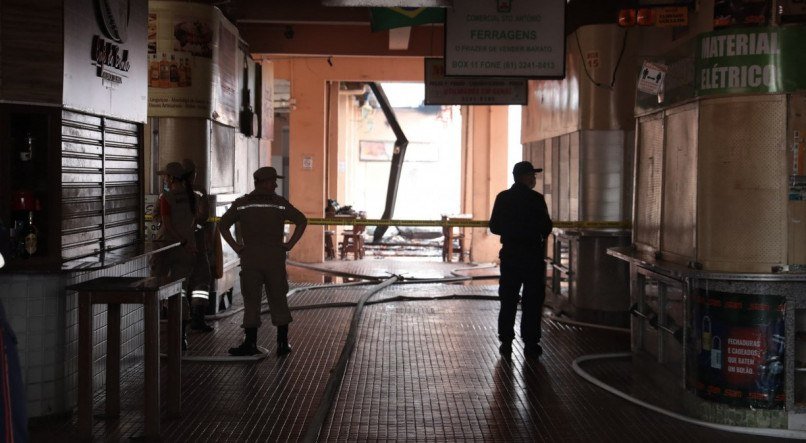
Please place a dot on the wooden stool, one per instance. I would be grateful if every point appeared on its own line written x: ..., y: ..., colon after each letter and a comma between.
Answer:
x: 330, y: 249
x: 353, y: 241
x: 450, y: 235
x: 114, y: 291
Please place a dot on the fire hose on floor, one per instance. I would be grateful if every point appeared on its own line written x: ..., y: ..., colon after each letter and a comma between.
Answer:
x: 337, y: 373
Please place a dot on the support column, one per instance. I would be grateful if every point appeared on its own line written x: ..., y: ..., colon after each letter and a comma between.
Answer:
x: 484, y: 164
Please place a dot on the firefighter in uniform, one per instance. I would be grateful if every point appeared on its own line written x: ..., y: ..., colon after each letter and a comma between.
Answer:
x: 521, y: 218
x: 177, y: 208
x: 261, y: 215
x: 201, y: 277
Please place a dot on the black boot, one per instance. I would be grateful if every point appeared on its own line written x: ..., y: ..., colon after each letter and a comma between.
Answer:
x: 505, y: 349
x: 197, y: 320
x: 283, y: 348
x: 249, y: 345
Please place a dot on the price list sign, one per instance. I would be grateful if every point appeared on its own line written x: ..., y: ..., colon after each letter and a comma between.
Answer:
x: 505, y: 38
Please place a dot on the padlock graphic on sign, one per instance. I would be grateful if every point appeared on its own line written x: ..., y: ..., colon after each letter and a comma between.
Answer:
x: 706, y: 333
x: 716, y: 353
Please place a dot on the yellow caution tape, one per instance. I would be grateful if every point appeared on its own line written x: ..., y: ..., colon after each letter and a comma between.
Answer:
x: 443, y: 223
x: 460, y: 223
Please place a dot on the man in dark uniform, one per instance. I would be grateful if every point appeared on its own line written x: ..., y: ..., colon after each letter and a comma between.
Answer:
x: 521, y: 218
x: 262, y: 215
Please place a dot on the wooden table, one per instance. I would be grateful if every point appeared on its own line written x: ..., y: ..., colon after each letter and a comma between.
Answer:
x: 113, y: 292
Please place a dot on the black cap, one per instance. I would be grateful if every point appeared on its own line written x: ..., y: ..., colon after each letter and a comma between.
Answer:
x: 266, y: 173
x: 523, y: 168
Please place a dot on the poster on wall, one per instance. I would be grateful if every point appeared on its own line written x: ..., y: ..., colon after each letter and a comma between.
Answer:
x: 738, y: 350
x: 184, y: 53
x: 225, y: 71
x: 505, y: 38
x: 104, y: 45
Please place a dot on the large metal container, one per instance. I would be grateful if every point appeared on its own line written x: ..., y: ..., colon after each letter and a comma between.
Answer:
x: 587, y: 177
x: 586, y: 283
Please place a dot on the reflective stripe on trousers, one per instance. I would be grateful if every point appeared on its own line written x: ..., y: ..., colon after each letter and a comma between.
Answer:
x: 200, y: 294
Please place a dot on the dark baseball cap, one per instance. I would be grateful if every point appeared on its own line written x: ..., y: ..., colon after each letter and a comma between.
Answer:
x: 523, y: 168
x: 266, y: 173
x: 172, y: 169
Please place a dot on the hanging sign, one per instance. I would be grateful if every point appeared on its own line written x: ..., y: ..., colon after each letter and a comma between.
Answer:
x: 441, y: 90
x: 671, y: 16
x: 505, y: 38
x: 751, y: 60
x: 104, y: 42
x: 651, y: 78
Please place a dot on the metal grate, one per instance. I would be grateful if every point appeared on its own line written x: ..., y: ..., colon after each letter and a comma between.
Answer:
x: 649, y: 171
x: 680, y: 183
x: 742, y: 195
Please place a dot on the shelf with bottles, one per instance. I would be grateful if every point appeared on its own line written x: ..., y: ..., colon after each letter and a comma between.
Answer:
x: 28, y: 186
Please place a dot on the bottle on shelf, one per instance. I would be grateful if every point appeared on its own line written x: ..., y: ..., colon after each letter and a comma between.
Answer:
x: 25, y: 241
x: 165, y: 72
x: 27, y: 151
x: 153, y: 72
x: 183, y: 79
x: 28, y: 238
x: 174, y: 72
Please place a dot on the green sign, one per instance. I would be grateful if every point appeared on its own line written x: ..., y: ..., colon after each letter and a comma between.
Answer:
x: 751, y: 60
x: 388, y: 18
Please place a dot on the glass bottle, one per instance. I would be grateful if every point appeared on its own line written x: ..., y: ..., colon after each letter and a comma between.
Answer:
x: 154, y: 72
x: 28, y: 238
x: 174, y: 72
x: 165, y: 72
x: 183, y: 81
x: 27, y: 151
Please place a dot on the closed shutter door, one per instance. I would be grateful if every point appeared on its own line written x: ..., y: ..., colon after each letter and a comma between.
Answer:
x: 100, y: 184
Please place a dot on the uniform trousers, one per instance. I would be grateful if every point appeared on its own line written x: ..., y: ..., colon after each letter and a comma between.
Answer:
x: 271, y: 274
x: 199, y: 280
x: 530, y: 273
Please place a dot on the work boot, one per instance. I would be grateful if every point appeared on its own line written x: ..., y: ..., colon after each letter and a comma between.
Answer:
x: 505, y: 349
x: 533, y: 351
x: 197, y: 322
x: 249, y: 345
x: 283, y: 348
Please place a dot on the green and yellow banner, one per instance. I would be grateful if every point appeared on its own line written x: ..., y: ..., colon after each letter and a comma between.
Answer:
x: 388, y: 18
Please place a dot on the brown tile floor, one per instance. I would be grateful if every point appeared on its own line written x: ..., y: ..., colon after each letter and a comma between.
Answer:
x: 421, y: 370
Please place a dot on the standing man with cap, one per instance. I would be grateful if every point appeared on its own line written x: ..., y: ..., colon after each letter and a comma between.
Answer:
x: 521, y: 218
x: 262, y: 215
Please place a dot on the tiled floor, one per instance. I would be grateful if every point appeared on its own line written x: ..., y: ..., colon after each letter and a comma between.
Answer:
x: 421, y: 370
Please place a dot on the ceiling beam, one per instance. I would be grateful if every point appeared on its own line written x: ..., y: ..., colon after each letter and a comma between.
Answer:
x: 344, y: 40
